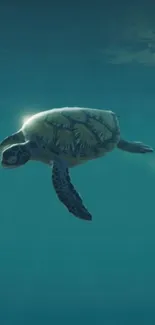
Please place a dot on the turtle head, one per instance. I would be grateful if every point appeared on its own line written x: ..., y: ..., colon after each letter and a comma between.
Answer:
x: 15, y: 156
x: 17, y: 137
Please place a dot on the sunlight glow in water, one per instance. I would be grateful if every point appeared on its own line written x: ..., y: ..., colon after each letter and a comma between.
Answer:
x: 25, y: 118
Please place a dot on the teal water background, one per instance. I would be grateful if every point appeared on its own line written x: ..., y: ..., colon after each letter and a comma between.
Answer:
x: 54, y: 268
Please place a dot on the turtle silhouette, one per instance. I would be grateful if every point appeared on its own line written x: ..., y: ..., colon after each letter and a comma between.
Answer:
x: 63, y: 138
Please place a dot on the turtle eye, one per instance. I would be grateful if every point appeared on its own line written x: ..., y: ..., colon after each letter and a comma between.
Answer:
x: 11, y: 160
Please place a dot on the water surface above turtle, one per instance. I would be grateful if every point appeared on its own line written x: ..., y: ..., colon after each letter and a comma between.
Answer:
x: 63, y: 138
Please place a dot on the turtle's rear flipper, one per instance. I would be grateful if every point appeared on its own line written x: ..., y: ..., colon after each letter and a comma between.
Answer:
x: 66, y: 191
x: 134, y: 147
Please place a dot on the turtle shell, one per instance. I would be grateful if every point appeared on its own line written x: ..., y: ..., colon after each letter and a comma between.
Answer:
x: 75, y: 134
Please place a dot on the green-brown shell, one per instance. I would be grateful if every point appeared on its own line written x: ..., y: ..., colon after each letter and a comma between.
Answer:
x: 77, y: 134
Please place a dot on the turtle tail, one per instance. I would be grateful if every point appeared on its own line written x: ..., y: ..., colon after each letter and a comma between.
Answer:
x: 17, y: 137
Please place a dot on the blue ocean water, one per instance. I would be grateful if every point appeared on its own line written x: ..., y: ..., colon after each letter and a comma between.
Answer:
x: 55, y: 268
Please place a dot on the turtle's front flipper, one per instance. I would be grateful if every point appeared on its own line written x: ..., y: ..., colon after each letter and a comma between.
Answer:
x: 66, y: 191
x: 134, y: 147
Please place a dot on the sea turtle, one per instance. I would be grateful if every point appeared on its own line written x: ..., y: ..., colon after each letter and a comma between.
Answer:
x: 63, y: 138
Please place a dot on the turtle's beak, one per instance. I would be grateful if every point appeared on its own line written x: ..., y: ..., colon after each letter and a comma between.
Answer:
x: 6, y: 166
